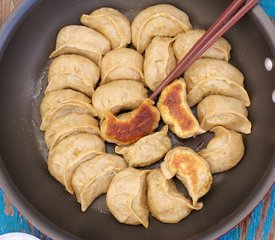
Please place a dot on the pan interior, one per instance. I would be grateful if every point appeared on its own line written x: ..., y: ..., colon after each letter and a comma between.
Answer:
x: 23, y: 76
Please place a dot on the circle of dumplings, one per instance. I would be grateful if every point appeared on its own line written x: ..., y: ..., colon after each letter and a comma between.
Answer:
x: 98, y: 85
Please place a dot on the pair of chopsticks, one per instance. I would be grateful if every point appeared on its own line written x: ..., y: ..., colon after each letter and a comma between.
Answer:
x: 236, y: 10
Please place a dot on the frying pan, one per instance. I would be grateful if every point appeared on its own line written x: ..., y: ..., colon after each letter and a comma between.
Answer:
x: 26, y: 42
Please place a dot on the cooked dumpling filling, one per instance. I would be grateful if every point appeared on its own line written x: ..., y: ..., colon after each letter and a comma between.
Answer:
x: 126, y: 197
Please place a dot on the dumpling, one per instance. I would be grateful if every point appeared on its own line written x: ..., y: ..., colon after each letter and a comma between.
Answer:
x: 123, y: 63
x: 130, y: 127
x: 82, y: 41
x: 224, y: 151
x: 93, y: 177
x: 111, y: 23
x: 209, y: 77
x: 216, y: 110
x: 65, y: 108
x: 51, y: 99
x: 185, y: 41
x: 159, y: 61
x: 126, y: 197
x: 73, y: 71
x: 146, y: 150
x: 117, y: 96
x: 66, y: 156
x: 175, y: 111
x: 190, y: 168
x: 70, y: 124
x: 165, y: 202
x: 162, y: 20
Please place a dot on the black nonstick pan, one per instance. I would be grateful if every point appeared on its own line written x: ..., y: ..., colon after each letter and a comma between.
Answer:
x: 26, y: 41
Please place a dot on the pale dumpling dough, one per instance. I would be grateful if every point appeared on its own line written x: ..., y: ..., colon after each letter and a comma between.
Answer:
x: 123, y: 63
x: 209, y: 77
x: 111, y: 23
x: 217, y: 110
x: 52, y: 99
x: 175, y: 111
x: 81, y: 40
x: 66, y: 156
x: 185, y: 41
x: 65, y: 108
x: 117, y: 96
x: 165, y: 202
x: 147, y: 150
x: 73, y: 71
x: 126, y: 197
x: 128, y: 128
x: 190, y: 168
x: 224, y: 151
x: 93, y: 177
x: 70, y: 124
x: 162, y: 20
x: 159, y: 61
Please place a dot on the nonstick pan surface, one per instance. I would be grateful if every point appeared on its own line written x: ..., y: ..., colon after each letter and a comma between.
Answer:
x: 25, y: 44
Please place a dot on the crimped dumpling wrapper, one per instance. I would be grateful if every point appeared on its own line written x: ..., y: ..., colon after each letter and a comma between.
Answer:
x: 160, y: 20
x: 126, y: 197
x: 214, y: 77
x: 146, y: 150
x: 185, y: 41
x: 123, y: 63
x: 66, y: 108
x: 73, y: 71
x: 217, y: 110
x: 73, y: 150
x: 190, y: 168
x: 159, y: 61
x: 81, y: 40
x: 68, y: 125
x: 51, y: 99
x: 165, y: 202
x: 175, y: 111
x: 224, y: 151
x: 110, y: 23
x: 129, y: 127
x: 117, y: 96
x: 93, y: 177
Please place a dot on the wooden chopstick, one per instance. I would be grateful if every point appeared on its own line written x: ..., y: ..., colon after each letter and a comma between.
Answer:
x: 227, y: 19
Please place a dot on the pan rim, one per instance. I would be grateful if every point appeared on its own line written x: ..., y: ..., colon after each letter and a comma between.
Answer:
x: 6, y: 33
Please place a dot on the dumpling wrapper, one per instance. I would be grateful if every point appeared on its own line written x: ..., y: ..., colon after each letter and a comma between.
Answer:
x: 185, y: 41
x: 117, y: 96
x: 162, y: 20
x: 65, y: 108
x: 146, y: 150
x: 51, y: 99
x: 93, y: 177
x: 165, y: 202
x: 210, y: 77
x: 217, y: 110
x: 175, y: 111
x: 68, y: 125
x: 126, y: 197
x: 159, y: 61
x: 190, y: 168
x: 130, y: 127
x: 123, y: 63
x: 73, y: 71
x: 73, y: 150
x: 224, y: 151
x: 110, y: 23
x: 81, y: 40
